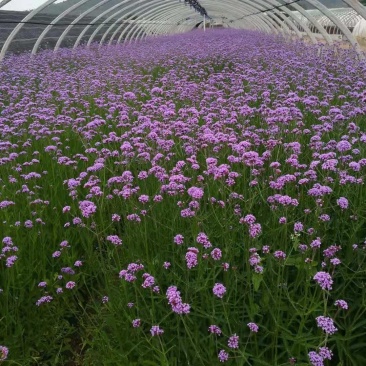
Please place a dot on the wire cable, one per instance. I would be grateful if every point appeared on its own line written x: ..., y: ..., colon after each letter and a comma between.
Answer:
x: 83, y: 24
x: 265, y: 11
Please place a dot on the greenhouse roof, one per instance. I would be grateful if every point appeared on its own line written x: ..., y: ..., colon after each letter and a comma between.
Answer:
x: 37, y: 24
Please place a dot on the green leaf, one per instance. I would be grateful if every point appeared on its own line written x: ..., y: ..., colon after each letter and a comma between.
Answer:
x: 256, y: 281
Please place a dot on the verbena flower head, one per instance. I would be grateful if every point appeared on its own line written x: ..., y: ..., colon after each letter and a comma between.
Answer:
x: 156, y: 330
x: 253, y: 327
x: 114, y: 239
x: 326, y: 324
x: 214, y: 329
x: 223, y: 356
x: 233, y: 341
x: 4, y: 351
x: 219, y: 290
x: 341, y: 304
x: 324, y: 280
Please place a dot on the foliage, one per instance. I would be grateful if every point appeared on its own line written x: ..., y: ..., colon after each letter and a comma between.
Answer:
x: 184, y: 201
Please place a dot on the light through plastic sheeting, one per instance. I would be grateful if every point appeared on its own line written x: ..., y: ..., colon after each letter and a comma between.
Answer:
x: 23, y: 5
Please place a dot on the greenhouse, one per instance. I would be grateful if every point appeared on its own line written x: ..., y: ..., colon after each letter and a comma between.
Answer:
x: 182, y: 182
x: 54, y: 23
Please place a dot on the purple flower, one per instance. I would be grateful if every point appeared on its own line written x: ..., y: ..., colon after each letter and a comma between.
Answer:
x: 44, y: 299
x: 87, y: 208
x: 282, y: 220
x: 114, y: 239
x: 324, y: 280
x: 315, y: 359
x: 4, y: 351
x: 175, y: 301
x: 166, y: 265
x: 214, y: 329
x: 149, y: 281
x: 233, y: 341
x: 325, y: 353
x: 342, y: 202
x: 341, y: 304
x: 70, y: 285
x: 202, y: 238
x: 255, y: 230
x: 216, y: 254
x: 178, y: 239
x: 326, y: 324
x: 343, y: 146
x: 195, y: 192
x: 56, y: 254
x: 156, y: 330
x: 253, y: 327
x: 136, y: 323
x: 223, y: 356
x: 279, y: 254
x: 249, y: 219
x: 116, y: 218
x: 11, y: 260
x: 191, y: 257
x: 298, y: 227
x: 219, y: 290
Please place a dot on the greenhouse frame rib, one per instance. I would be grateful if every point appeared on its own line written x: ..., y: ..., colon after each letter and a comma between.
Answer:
x: 135, y: 20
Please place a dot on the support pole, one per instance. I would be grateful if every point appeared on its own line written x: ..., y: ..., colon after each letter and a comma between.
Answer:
x: 204, y: 22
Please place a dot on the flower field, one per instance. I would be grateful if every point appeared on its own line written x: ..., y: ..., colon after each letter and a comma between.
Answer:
x: 189, y: 200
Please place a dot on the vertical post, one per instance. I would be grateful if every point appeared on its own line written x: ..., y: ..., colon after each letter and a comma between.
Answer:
x: 204, y: 22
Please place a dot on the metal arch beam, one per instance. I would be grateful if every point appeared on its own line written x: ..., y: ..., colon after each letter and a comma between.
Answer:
x: 294, y: 19
x: 289, y: 23
x: 283, y: 19
x: 143, y: 7
x: 140, y: 8
x: 75, y: 21
x: 261, y: 6
x: 273, y: 26
x: 309, y: 17
x: 114, y: 15
x: 163, y: 28
x: 258, y: 26
x: 166, y: 28
x: 361, y: 10
x: 101, y: 15
x: 58, y: 18
x: 313, y: 21
x: 263, y: 19
x: 3, y: 3
x: 19, y: 26
x: 276, y: 19
x: 272, y: 3
x: 230, y: 12
x: 258, y: 5
x: 357, y: 7
x: 159, y: 21
x: 250, y: 7
x: 157, y: 10
x: 323, y: 9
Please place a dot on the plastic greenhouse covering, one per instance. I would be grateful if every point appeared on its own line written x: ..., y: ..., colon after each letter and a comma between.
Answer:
x: 32, y: 25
